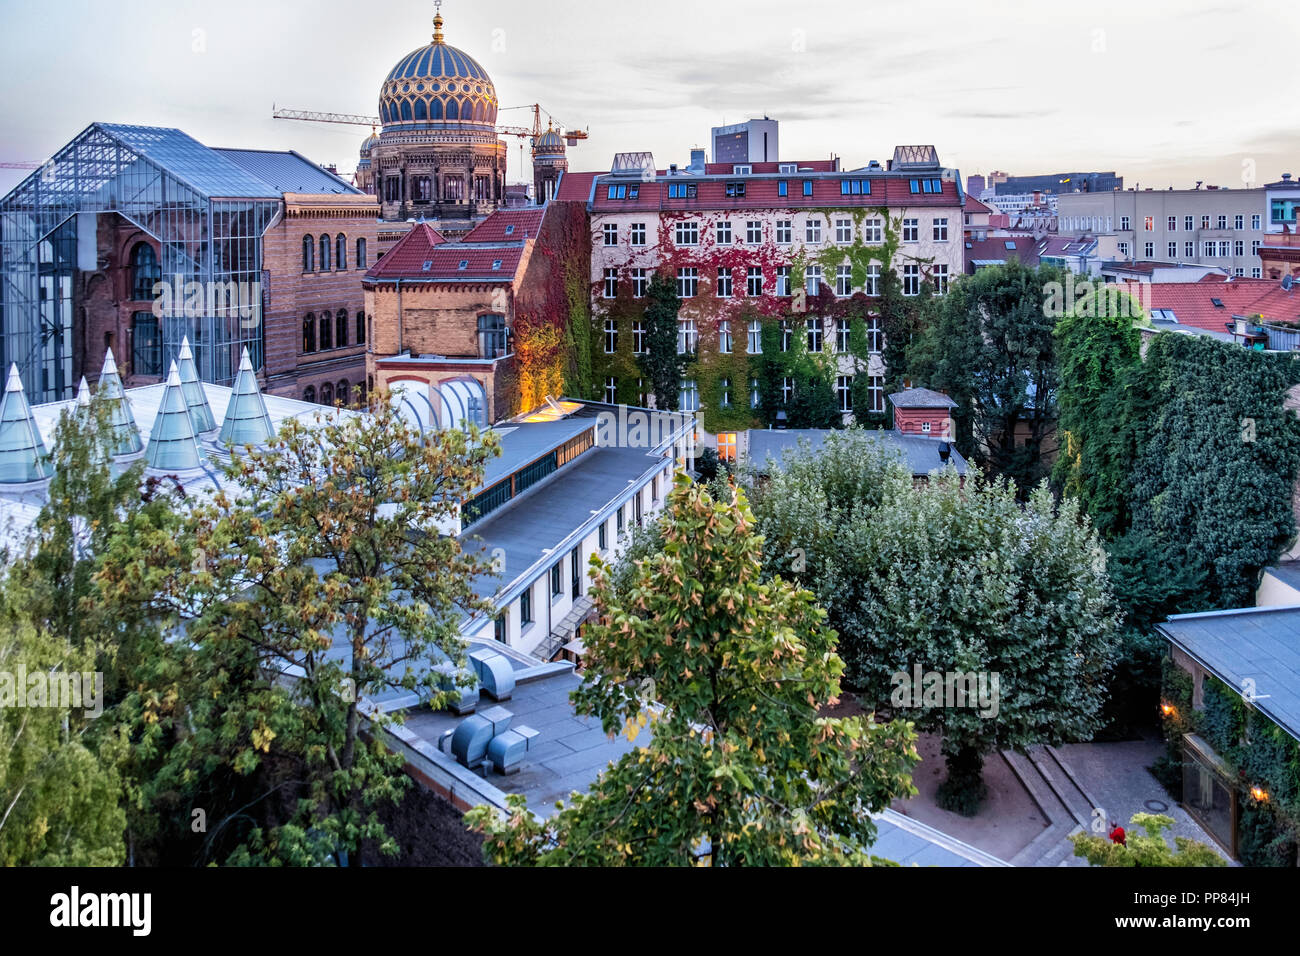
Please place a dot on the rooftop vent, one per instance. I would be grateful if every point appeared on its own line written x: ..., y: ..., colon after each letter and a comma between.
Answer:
x: 23, y: 457
x: 246, y: 421
x: 196, y: 399
x: 125, y: 432
x: 172, y: 444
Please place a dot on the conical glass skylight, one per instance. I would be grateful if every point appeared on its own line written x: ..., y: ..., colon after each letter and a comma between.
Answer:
x: 22, y: 451
x: 196, y: 399
x: 246, y: 421
x: 172, y: 446
x: 125, y: 432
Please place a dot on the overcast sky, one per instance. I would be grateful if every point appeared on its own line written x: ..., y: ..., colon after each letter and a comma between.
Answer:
x: 1165, y: 92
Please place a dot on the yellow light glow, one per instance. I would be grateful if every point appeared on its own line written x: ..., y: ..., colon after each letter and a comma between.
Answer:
x: 1260, y: 796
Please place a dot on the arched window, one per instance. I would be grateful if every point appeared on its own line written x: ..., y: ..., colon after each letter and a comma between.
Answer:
x: 342, y: 393
x: 309, y: 333
x: 324, y: 253
x: 145, y: 271
x: 341, y: 328
x: 326, y: 327
x: 361, y: 328
x: 327, y: 394
x: 361, y: 253
x: 309, y: 394
x: 308, y: 254
x: 340, y: 252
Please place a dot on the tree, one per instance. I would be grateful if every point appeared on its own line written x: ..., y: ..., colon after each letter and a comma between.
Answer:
x: 328, y: 564
x: 990, y: 347
x: 660, y: 361
x: 1145, y: 848
x: 729, y: 673
x: 952, y: 578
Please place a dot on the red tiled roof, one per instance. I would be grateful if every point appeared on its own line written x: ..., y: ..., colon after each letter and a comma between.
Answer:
x: 409, y: 254
x: 496, y: 227
x: 974, y: 205
x: 575, y: 187
x: 891, y: 190
x: 1023, y: 248
x: 1192, y: 302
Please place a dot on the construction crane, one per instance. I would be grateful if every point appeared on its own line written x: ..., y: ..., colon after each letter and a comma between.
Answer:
x: 571, y: 137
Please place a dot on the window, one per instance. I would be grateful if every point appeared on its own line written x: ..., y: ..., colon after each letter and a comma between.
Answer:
x: 526, y: 607
x: 875, y: 334
x: 939, y: 274
x: 421, y: 189
x: 575, y: 572
x: 453, y: 188
x: 602, y: 535
x: 687, y: 337
x: 843, y: 231
x: 324, y: 253
x: 782, y: 188
x: 361, y: 253
x: 1209, y: 246
x: 873, y: 279
x: 639, y: 283
x: 815, y: 332
x: 1149, y: 223
x: 327, y: 394
x: 787, y: 390
x: 844, y: 392
x: 340, y: 251
x: 941, y: 230
x: 616, y: 192
x: 1123, y: 249
x: 722, y: 232
x: 1173, y: 223
x: 876, y: 393
x: 754, y: 280
x: 1123, y: 224
x: 911, y: 279
x: 688, y: 399
x: 392, y: 189
x: 1283, y: 210
x: 855, y: 187
x: 1189, y: 250
x: 1256, y: 272
x: 499, y: 628
x: 1223, y: 222
x: 556, y: 588
x: 610, y: 233
x: 309, y: 394
x: 145, y: 271
x: 1225, y: 248
x: 687, y: 234
x: 1239, y: 247
x: 786, y: 335
x: 783, y: 230
x: 309, y: 333
x: 724, y: 337
x: 724, y: 282
x: 611, y: 283
x: 688, y: 281
x: 1254, y: 247
x: 681, y: 190
x: 1173, y: 250
x: 734, y: 190
x: 1149, y: 249
x: 813, y: 280
x: 807, y: 187
x: 361, y: 328
x: 911, y: 229
x: 619, y: 519
x: 726, y: 446
x: 1255, y: 221
x: 754, y: 337
x: 637, y: 233
x: 1205, y: 222
x: 1188, y: 223
x: 342, y: 392
x: 638, y: 337
x: 843, y: 281
x: 325, y: 336
x: 308, y: 254
x: 754, y: 232
x: 611, y: 391
x: 611, y: 336
x: 146, y: 345
x: 753, y: 393
x: 783, y: 280
x: 812, y: 230
x: 843, y: 328
x: 724, y: 393
x: 491, y: 335
x: 340, y: 328
x: 873, y: 230
x: 1239, y: 222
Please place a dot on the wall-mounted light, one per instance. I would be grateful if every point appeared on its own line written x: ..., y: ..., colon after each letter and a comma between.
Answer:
x: 1169, y: 710
x: 1259, y: 795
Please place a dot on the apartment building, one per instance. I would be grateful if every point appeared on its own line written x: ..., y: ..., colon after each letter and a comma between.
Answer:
x: 1212, y: 227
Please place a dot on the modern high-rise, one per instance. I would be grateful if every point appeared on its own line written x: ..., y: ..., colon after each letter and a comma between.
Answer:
x: 754, y: 141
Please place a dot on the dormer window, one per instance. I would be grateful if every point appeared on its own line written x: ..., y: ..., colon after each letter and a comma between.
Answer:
x: 742, y: 170
x: 496, y: 265
x: 735, y: 190
x: 428, y: 264
x: 510, y: 229
x: 787, y: 168
x: 464, y: 264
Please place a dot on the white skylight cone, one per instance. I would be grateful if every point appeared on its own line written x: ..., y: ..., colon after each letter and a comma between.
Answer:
x: 196, y: 399
x: 246, y: 421
x: 22, y: 451
x: 83, y: 394
x: 126, y: 433
x: 172, y: 445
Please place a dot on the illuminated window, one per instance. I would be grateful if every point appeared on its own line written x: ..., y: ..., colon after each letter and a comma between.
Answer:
x: 727, y: 446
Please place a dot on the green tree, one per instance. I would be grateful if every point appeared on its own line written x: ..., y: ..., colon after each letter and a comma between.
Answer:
x: 990, y: 347
x: 660, y: 362
x: 328, y: 564
x: 728, y: 673
x: 1145, y: 845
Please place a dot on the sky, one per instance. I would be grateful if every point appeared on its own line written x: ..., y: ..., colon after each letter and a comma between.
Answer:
x: 1165, y: 92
